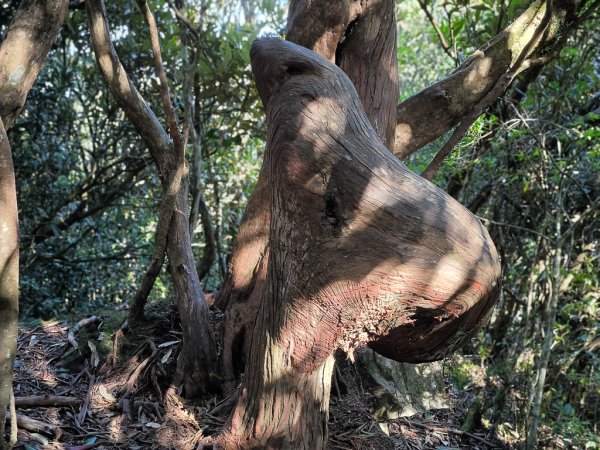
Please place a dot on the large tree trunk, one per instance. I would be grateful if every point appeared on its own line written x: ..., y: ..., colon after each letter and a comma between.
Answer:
x: 362, y: 252
x: 9, y: 275
x: 360, y: 36
x: 368, y: 55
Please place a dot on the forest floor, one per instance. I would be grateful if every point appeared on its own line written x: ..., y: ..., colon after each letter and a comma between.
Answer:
x: 126, y: 404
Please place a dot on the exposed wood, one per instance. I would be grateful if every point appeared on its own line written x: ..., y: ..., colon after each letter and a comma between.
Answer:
x: 24, y: 50
x: 362, y: 252
x: 319, y: 26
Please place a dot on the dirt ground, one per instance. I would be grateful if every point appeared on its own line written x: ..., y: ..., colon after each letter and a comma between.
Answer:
x: 127, y: 403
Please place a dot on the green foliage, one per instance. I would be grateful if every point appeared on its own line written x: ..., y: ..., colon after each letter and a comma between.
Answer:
x: 89, y: 192
x: 462, y: 373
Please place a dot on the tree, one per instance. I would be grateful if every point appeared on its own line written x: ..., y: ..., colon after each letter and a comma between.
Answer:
x: 341, y: 34
x: 457, y: 100
x: 22, y: 54
x: 197, y: 360
x: 403, y: 275
x: 412, y: 286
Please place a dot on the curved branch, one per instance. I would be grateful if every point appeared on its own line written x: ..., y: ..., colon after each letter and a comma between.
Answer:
x: 137, y: 111
x: 24, y: 50
x: 430, y: 113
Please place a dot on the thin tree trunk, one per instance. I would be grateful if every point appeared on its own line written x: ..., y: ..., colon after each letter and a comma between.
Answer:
x: 536, y: 395
x: 22, y: 53
x: 196, y: 364
x: 24, y: 50
x: 9, y: 276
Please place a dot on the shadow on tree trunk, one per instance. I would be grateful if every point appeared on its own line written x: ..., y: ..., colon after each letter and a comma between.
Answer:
x: 362, y: 252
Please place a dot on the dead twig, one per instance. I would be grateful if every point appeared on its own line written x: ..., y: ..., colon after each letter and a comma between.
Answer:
x: 45, y: 400
x: 88, y: 397
x: 33, y: 425
x: 448, y: 430
x: 77, y: 327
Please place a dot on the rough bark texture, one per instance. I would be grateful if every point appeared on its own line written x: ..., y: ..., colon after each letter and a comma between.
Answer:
x: 9, y: 275
x: 368, y: 54
x: 196, y: 364
x: 362, y: 252
x: 24, y: 50
x: 319, y: 26
x: 429, y: 114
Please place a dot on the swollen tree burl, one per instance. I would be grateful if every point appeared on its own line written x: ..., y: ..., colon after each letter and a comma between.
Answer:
x: 362, y: 252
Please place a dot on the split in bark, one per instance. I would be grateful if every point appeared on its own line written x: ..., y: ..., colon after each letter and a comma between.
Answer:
x: 362, y: 252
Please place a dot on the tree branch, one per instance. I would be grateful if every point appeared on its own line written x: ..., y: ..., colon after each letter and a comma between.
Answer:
x: 137, y: 111
x: 429, y: 114
x: 24, y: 50
x: 438, y: 32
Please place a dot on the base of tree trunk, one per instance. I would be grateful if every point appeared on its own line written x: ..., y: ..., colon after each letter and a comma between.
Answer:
x: 283, y: 410
x: 403, y: 389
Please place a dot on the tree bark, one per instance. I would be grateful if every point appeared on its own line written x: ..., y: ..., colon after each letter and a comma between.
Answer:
x: 22, y: 53
x: 196, y: 364
x: 9, y: 276
x: 368, y: 55
x: 362, y: 252
x: 24, y: 50
x: 429, y: 114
